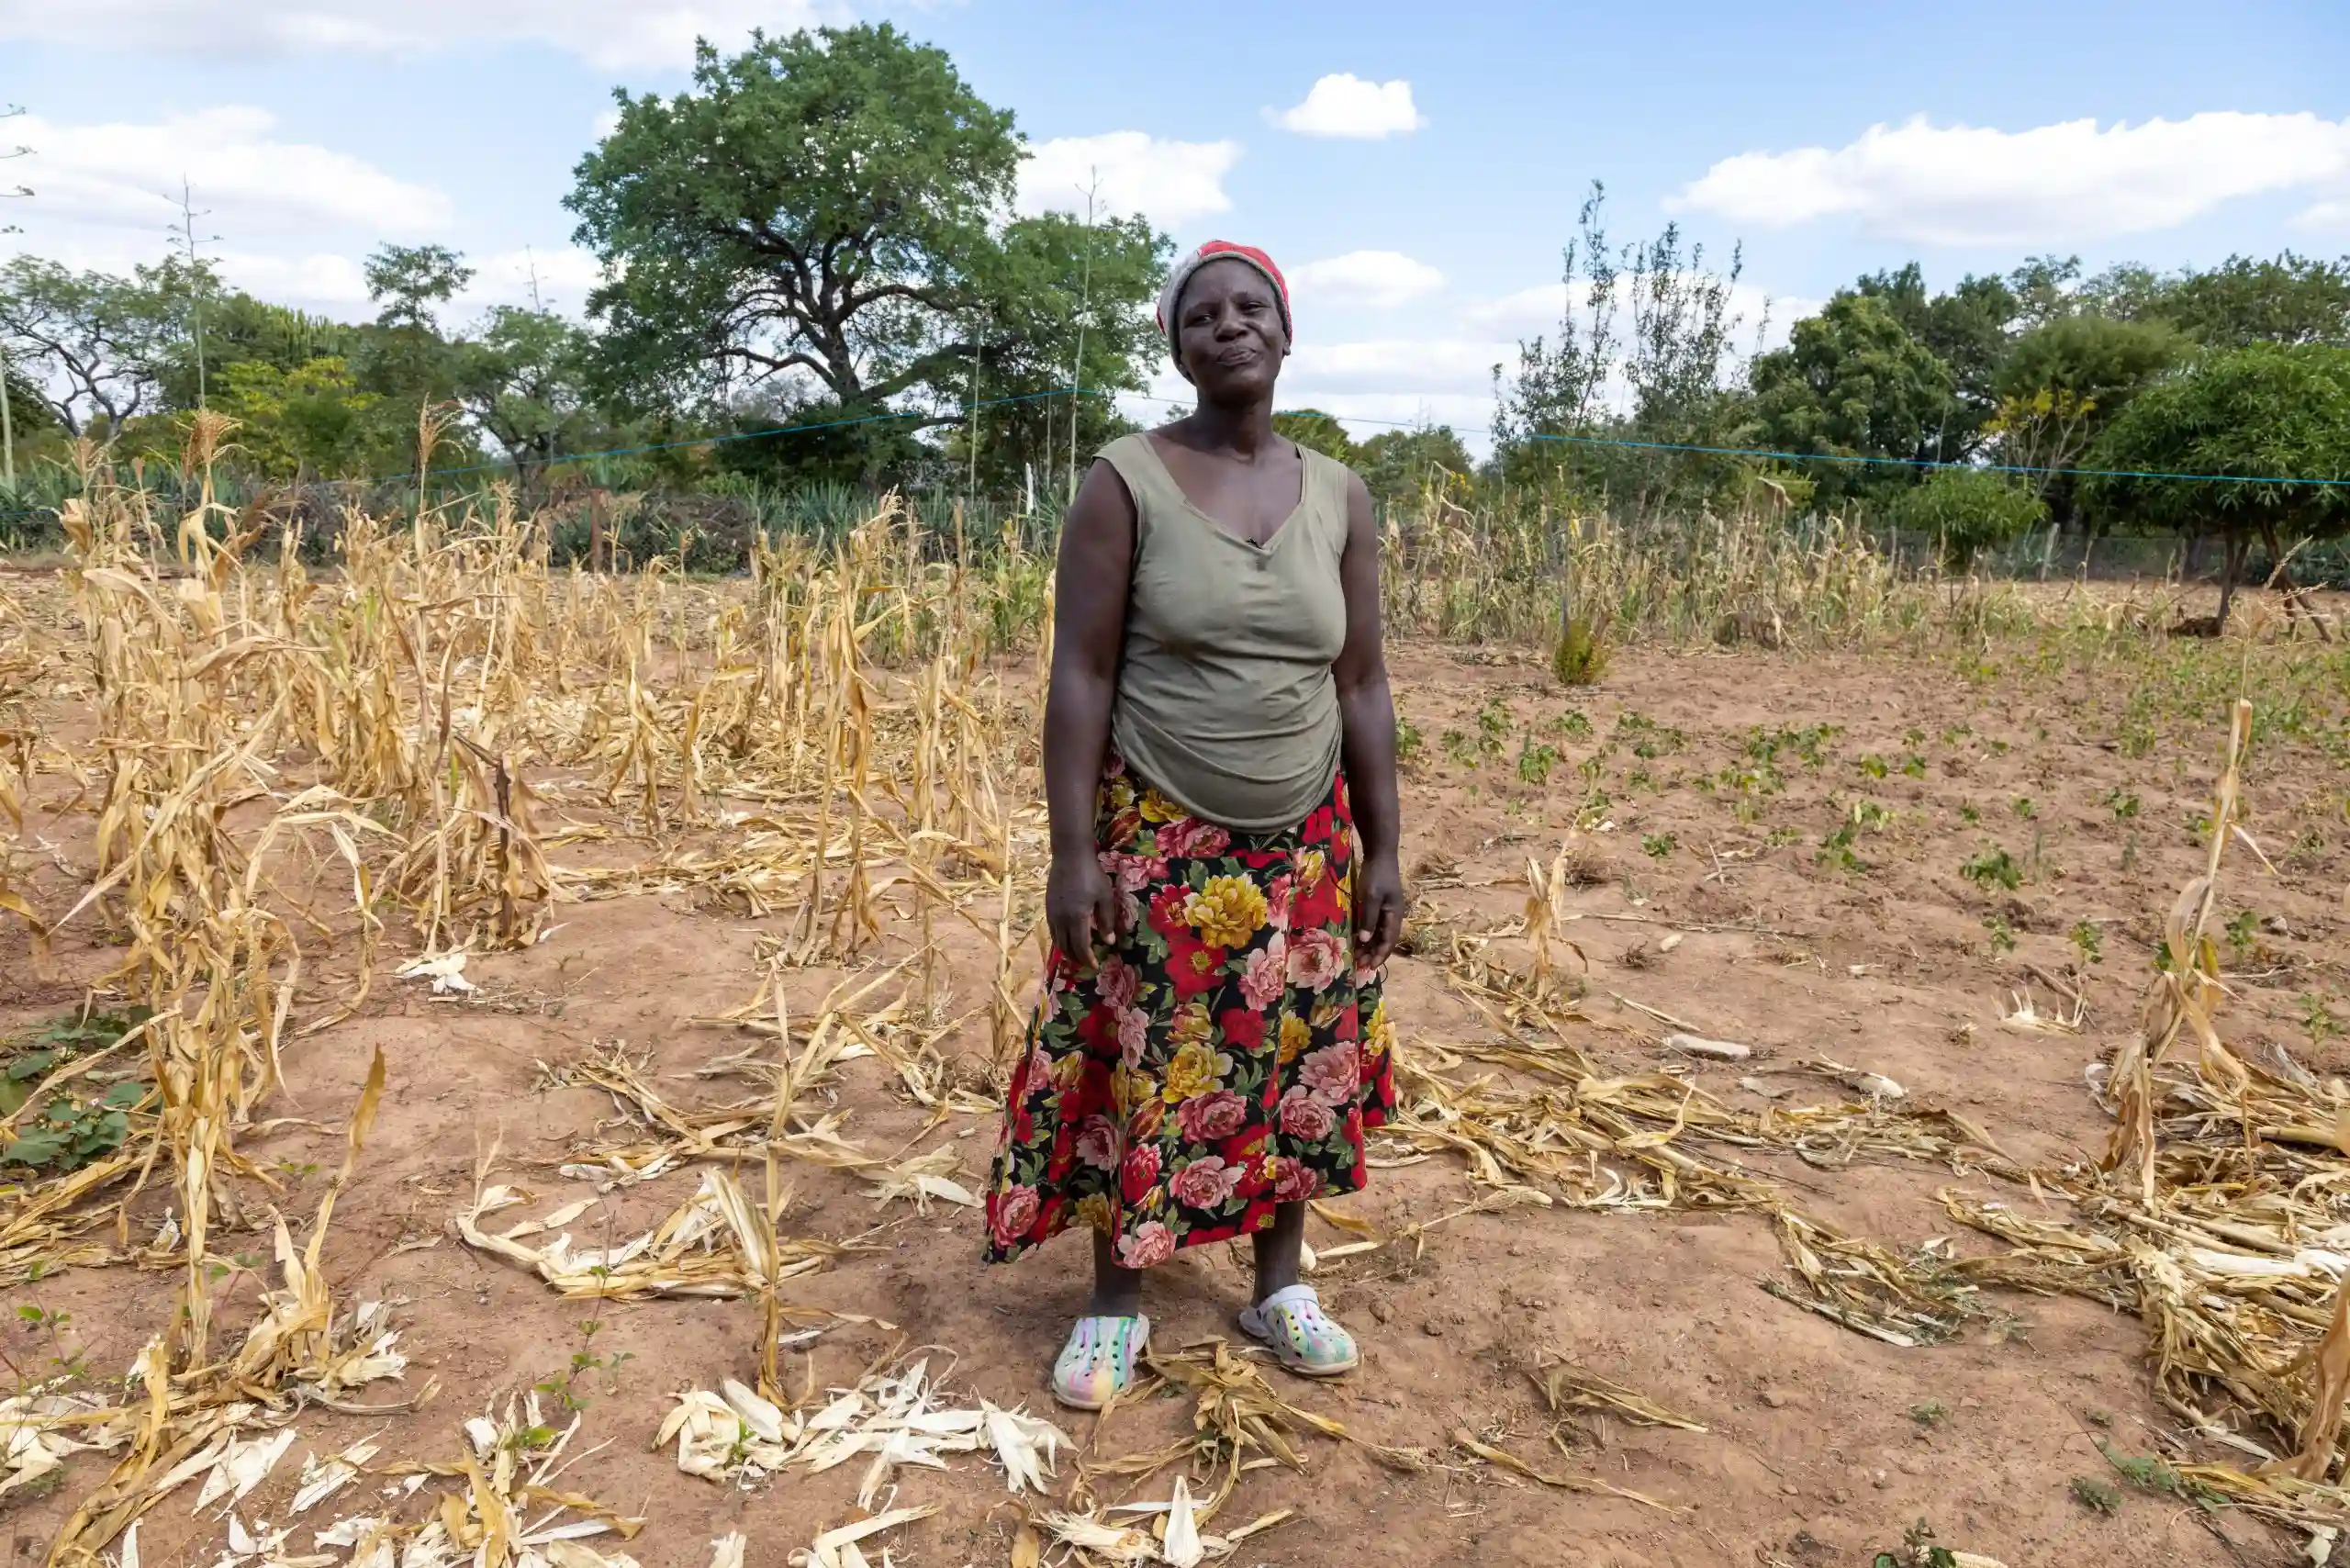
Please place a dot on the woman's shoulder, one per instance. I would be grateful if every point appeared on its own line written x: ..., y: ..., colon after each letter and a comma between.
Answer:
x: 1329, y: 478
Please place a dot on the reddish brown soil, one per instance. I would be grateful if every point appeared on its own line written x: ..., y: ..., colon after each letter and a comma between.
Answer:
x: 1812, y: 1455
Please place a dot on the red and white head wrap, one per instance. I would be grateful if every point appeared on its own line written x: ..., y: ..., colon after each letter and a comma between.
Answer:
x: 1216, y: 251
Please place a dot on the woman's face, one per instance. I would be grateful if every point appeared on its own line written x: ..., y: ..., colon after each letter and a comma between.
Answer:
x: 1228, y: 336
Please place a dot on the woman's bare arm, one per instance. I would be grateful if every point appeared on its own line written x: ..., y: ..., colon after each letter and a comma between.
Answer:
x: 1367, y: 709
x: 1094, y: 574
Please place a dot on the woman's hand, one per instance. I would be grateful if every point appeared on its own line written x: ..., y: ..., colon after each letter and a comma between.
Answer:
x: 1080, y: 907
x: 1379, y: 909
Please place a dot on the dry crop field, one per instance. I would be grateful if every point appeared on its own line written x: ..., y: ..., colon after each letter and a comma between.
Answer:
x: 500, y: 1060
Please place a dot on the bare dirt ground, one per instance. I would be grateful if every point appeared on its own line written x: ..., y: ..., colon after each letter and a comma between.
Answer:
x: 1713, y: 789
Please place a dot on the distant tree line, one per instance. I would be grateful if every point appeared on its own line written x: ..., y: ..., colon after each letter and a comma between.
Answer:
x: 2132, y: 400
x: 818, y: 234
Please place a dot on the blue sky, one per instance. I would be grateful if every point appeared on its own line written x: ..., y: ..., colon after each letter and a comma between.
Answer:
x: 1416, y: 167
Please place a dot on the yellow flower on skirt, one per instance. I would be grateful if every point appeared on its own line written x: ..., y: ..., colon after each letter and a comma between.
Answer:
x: 1095, y: 1210
x: 1158, y: 808
x: 1296, y: 1037
x: 1309, y: 870
x: 1227, y: 911
x: 1190, y: 1025
x: 1193, y: 1071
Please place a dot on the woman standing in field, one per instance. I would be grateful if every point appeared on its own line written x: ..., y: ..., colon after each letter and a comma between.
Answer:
x: 1211, y: 1044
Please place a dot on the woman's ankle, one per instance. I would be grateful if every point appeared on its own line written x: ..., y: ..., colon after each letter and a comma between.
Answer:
x: 1126, y: 1302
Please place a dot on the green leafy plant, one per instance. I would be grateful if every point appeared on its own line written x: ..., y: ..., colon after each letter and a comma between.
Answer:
x: 1969, y: 815
x: 1992, y: 865
x: 2319, y: 1019
x: 2095, y: 1496
x: 2123, y: 803
x: 2150, y: 1473
x: 2243, y: 934
x: 2089, y: 941
x: 1874, y: 767
x: 567, y: 1386
x: 2003, y: 937
x: 1967, y: 512
x: 1932, y: 1413
x: 1574, y: 724
x: 1493, y: 725
x: 1658, y: 845
x: 1536, y: 760
x: 1409, y: 742
x: 1459, y: 747
x: 69, y: 1132
x: 1837, y: 850
x: 1918, y: 1550
x: 2024, y: 808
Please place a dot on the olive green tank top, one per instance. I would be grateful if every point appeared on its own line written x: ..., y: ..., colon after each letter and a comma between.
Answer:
x: 1225, y: 700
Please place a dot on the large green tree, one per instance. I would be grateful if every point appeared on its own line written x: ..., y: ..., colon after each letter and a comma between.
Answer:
x: 820, y: 207
x: 523, y: 380
x: 2286, y: 299
x: 2063, y: 382
x: 2212, y: 449
x: 1397, y: 466
x: 93, y: 345
x: 1852, y: 382
x: 1967, y: 330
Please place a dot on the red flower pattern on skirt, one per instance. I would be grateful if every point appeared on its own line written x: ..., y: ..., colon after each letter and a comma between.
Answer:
x: 1225, y: 1055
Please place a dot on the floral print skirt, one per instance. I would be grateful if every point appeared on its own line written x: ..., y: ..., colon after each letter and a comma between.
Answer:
x: 1225, y: 1055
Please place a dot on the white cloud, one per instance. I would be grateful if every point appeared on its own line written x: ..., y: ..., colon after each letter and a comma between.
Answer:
x: 1345, y: 105
x: 286, y: 221
x: 1170, y: 183
x: 1384, y: 278
x: 1394, y: 365
x: 243, y: 178
x: 611, y: 34
x: 2325, y: 217
x: 2054, y: 183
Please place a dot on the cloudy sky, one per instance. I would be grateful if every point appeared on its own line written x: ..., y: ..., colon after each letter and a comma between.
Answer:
x: 1416, y: 168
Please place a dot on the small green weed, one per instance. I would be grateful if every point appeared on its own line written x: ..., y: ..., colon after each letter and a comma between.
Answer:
x: 1459, y: 747
x: 1409, y: 742
x: 1992, y: 865
x: 2095, y: 1496
x: 1837, y: 850
x: 2089, y: 941
x: 1918, y: 1550
x: 2024, y: 808
x: 1932, y: 1413
x: 2123, y: 803
x: 1658, y: 845
x: 568, y: 1385
x: 1969, y: 815
x: 1494, y: 725
x: 2319, y: 1019
x: 1572, y: 724
x: 2003, y: 937
x: 2243, y: 934
x: 1535, y: 761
